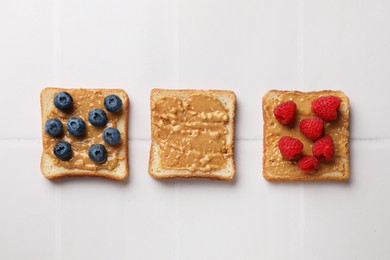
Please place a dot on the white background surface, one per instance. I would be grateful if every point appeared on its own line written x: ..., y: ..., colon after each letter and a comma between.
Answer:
x: 248, y: 46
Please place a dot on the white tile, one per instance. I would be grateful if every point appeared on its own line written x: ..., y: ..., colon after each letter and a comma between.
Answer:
x: 351, y: 220
x: 149, y: 211
x: 247, y: 218
x: 26, y: 66
x: 27, y: 200
x: 118, y: 44
x: 104, y: 219
x: 347, y: 47
x: 245, y: 46
x: 92, y: 219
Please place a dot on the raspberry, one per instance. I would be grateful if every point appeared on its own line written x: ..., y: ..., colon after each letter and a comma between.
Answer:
x: 326, y: 107
x: 290, y: 148
x: 308, y: 163
x: 312, y: 127
x: 285, y: 112
x: 323, y: 148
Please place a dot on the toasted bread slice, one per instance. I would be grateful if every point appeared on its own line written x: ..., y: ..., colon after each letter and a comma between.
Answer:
x: 275, y: 168
x: 116, y: 167
x: 226, y: 172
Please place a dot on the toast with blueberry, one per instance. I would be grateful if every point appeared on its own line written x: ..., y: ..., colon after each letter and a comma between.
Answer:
x: 306, y: 135
x: 84, y: 133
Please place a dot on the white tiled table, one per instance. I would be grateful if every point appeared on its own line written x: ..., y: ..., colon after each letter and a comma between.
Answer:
x: 247, y: 46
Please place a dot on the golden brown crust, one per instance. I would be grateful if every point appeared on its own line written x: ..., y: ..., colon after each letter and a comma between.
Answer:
x: 98, y: 173
x: 342, y: 176
x: 186, y: 173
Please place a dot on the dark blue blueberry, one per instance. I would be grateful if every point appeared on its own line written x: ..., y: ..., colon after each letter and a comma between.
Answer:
x: 97, y: 153
x: 53, y: 127
x: 76, y: 126
x: 111, y: 136
x: 63, y: 150
x: 97, y: 117
x: 63, y: 100
x: 112, y: 103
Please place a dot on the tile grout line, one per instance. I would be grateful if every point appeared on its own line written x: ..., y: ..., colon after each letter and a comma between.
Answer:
x: 301, y: 44
x: 57, y: 80
x: 177, y: 221
x: 302, y: 222
x: 301, y: 78
x: 176, y: 44
x: 57, y: 41
x: 236, y: 140
x: 58, y: 222
x: 176, y: 60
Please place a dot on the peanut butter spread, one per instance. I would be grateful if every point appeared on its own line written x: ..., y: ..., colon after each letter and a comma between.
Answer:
x: 273, y: 131
x: 84, y: 100
x: 191, y: 133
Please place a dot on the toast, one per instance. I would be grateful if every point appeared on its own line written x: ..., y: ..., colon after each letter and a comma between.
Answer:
x: 116, y: 165
x: 192, y: 134
x: 275, y: 167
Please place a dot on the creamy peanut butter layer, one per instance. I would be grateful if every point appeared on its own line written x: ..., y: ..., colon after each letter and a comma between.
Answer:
x: 84, y: 100
x: 191, y: 132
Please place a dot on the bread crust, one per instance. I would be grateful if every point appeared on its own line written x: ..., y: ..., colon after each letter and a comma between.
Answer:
x: 344, y: 176
x: 187, y: 173
x: 81, y: 172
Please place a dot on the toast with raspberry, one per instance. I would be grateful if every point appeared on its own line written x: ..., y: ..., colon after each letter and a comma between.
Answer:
x: 320, y: 121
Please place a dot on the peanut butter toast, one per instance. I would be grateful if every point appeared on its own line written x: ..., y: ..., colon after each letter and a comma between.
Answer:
x: 84, y: 133
x: 310, y: 142
x: 192, y: 134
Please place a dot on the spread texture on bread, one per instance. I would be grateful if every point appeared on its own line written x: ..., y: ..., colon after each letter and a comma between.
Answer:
x: 84, y: 133
x: 318, y: 129
x: 192, y: 134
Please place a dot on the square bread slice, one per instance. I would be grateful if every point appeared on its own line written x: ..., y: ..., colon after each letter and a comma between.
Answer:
x: 192, y: 134
x: 116, y: 166
x: 275, y: 168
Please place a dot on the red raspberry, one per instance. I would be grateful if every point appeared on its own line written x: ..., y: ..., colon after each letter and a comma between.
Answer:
x: 290, y: 148
x: 285, y: 112
x: 312, y: 127
x: 308, y: 163
x: 326, y: 107
x: 323, y: 148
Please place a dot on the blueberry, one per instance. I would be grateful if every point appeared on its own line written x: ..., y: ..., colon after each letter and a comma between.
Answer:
x: 63, y: 100
x: 53, y: 127
x: 76, y: 126
x: 97, y: 117
x: 98, y: 153
x: 112, y: 103
x: 63, y: 150
x: 111, y: 136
